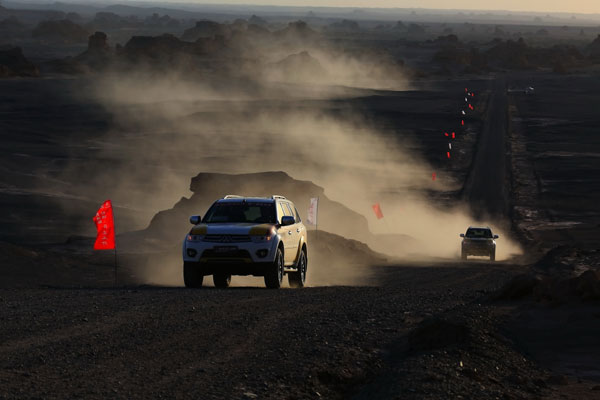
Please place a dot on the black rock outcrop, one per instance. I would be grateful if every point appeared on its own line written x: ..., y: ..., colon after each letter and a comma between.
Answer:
x: 64, y: 31
x: 13, y: 63
x: 299, y: 67
x: 256, y: 20
x: 205, y: 29
x: 207, y: 187
x: 593, y: 50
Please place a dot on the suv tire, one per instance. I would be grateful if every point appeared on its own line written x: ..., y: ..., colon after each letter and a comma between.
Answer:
x: 297, y: 279
x: 192, y: 275
x: 493, y: 255
x: 463, y: 255
x: 274, y: 273
x: 222, y: 280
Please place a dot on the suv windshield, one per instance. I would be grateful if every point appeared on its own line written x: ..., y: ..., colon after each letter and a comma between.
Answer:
x: 241, y: 212
x: 479, y: 233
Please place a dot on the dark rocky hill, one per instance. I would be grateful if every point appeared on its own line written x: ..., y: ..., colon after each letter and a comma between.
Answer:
x: 13, y: 63
x: 63, y: 31
x: 299, y: 67
x: 593, y: 50
x: 205, y: 29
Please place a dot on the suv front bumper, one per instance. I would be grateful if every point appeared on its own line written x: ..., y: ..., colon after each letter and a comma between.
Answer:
x: 229, y: 253
x: 211, y: 268
x: 478, y: 249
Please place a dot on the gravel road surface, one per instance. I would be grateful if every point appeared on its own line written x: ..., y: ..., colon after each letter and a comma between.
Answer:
x: 234, y: 343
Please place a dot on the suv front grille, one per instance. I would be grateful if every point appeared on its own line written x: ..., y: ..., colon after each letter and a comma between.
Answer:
x: 227, y: 238
x: 235, y: 254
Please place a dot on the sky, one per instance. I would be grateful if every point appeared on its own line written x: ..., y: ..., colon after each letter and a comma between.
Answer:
x: 571, y: 6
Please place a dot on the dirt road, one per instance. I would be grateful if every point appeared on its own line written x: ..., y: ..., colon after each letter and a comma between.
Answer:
x: 486, y: 186
x: 236, y: 343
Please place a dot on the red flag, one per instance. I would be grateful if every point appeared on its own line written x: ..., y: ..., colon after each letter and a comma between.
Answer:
x: 105, y: 225
x: 462, y: 123
x: 377, y: 211
x: 448, y: 154
x: 453, y: 135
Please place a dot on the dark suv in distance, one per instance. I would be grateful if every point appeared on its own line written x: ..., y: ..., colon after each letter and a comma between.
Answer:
x: 478, y: 241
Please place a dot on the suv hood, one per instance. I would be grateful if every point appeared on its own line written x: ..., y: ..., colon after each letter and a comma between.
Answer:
x: 232, y: 229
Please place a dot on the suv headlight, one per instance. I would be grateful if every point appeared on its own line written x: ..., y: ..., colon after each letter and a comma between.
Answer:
x: 195, y: 238
x: 264, y: 238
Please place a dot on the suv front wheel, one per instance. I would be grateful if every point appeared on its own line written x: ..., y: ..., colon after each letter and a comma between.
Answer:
x: 192, y: 275
x: 297, y: 279
x: 274, y: 273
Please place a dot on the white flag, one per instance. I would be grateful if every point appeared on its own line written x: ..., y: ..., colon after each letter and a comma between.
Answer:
x: 313, y: 211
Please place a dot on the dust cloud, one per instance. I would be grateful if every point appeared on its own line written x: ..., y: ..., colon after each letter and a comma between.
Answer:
x: 170, y: 127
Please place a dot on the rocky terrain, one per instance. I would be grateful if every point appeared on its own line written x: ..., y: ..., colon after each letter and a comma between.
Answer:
x: 245, y: 343
x: 456, y: 57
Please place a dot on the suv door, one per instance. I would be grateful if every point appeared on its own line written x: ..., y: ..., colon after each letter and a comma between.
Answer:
x: 296, y: 232
x: 286, y: 233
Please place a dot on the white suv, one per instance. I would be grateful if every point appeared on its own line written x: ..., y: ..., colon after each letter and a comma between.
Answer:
x: 260, y: 236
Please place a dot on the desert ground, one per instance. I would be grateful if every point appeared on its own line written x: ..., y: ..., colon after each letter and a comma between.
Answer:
x: 164, y: 110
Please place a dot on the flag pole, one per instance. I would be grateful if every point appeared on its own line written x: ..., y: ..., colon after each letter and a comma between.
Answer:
x: 115, y: 266
x: 115, y: 232
x: 317, y: 221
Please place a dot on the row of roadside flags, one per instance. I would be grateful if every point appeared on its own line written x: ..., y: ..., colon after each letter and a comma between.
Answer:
x: 469, y: 95
x: 314, y: 202
x: 105, y: 223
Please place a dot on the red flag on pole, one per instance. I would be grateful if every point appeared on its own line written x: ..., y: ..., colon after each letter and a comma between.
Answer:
x: 377, y: 211
x: 105, y: 225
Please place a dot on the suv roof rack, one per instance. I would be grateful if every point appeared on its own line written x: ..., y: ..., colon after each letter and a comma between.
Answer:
x: 233, y: 196
x: 276, y: 196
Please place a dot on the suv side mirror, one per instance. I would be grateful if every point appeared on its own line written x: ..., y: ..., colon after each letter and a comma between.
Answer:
x: 496, y: 236
x: 195, y: 219
x: 462, y: 235
x: 287, y: 220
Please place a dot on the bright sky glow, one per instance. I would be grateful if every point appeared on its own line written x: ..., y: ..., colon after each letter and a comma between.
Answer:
x: 544, y: 6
